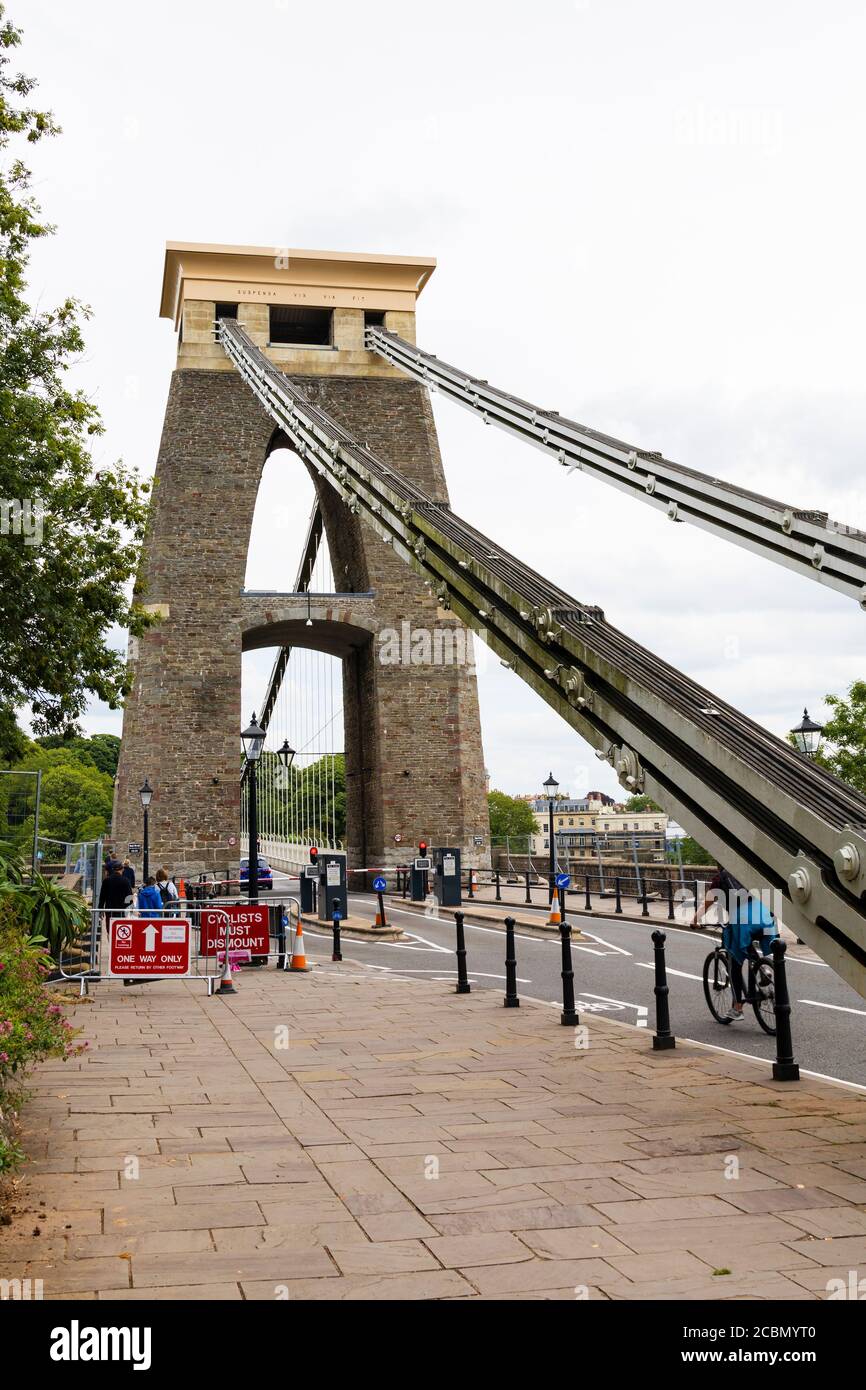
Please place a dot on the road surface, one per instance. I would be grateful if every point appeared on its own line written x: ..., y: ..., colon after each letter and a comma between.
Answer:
x: 613, y: 977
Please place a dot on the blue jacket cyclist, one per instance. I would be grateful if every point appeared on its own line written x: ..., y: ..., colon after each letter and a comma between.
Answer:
x: 748, y: 920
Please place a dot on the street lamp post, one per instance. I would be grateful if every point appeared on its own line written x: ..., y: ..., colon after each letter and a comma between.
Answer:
x: 807, y: 738
x: 551, y: 786
x: 253, y: 740
x: 807, y: 735
x: 146, y: 796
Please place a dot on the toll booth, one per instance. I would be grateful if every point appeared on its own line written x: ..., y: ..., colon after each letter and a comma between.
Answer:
x: 332, y: 886
x: 419, y: 878
x: 446, y: 877
x: 309, y: 886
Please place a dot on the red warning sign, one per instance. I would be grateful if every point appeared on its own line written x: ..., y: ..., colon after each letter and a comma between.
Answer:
x: 149, y: 946
x: 247, y: 926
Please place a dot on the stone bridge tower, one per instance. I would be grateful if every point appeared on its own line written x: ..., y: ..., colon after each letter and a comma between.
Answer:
x: 414, y: 760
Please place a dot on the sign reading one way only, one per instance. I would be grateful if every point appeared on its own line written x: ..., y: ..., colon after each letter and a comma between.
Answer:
x: 149, y: 946
x: 248, y: 929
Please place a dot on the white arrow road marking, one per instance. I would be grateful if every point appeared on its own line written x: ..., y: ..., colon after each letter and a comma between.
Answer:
x: 618, y: 950
x: 684, y: 974
x: 840, y: 1008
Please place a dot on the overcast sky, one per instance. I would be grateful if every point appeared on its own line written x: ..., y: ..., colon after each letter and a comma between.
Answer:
x: 649, y: 217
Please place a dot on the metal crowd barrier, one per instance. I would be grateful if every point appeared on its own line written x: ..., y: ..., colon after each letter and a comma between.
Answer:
x: 88, y: 961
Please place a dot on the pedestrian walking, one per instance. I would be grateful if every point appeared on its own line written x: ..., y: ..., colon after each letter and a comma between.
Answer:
x: 115, y: 895
x: 168, y: 892
x: 150, y: 899
x: 128, y: 873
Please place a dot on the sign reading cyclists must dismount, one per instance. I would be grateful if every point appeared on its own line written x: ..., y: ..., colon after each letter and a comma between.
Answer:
x: 149, y: 946
x: 248, y: 928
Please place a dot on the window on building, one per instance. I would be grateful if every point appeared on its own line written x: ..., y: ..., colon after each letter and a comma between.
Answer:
x: 374, y: 318
x: 296, y: 324
x: 225, y: 311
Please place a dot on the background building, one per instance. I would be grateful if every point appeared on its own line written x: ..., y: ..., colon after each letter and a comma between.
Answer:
x: 592, y: 827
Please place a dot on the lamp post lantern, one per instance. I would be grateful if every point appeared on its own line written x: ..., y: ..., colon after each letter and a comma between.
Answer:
x: 807, y: 735
x: 551, y: 787
x: 253, y: 740
x: 145, y: 794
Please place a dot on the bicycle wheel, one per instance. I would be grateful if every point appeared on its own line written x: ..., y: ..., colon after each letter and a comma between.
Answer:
x: 718, y: 990
x: 764, y: 995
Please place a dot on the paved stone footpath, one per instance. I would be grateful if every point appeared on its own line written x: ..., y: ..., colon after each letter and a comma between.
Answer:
x: 409, y: 1143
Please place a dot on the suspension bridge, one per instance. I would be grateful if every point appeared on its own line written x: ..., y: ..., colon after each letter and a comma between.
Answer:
x: 359, y: 420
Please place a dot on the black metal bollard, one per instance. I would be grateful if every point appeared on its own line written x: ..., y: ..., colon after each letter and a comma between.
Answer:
x: 380, y: 915
x: 784, y: 1067
x: 511, y: 1000
x: 498, y: 897
x: 337, y: 953
x: 528, y: 893
x: 568, y: 1018
x: 618, y: 888
x: 670, y: 900
x: 664, y: 1039
x: 471, y: 889
x: 644, y: 912
x: 463, y: 986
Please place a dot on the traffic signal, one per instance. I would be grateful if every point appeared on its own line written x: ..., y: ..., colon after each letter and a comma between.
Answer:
x: 422, y: 849
x: 314, y: 855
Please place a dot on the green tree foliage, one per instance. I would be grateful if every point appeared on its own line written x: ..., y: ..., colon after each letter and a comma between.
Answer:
x: 76, y: 797
x: 843, y: 746
x: 13, y: 743
x: 509, y: 816
x: 692, y: 852
x: 101, y: 751
x: 60, y: 597
x: 641, y: 803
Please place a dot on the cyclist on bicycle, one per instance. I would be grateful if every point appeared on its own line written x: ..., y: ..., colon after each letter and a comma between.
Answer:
x: 748, y: 920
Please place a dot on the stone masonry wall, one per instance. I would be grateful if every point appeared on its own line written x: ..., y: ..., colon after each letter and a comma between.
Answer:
x: 183, y: 715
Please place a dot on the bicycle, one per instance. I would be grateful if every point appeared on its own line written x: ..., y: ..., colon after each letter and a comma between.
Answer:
x: 760, y: 986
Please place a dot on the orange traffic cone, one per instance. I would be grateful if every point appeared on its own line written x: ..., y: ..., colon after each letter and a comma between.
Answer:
x: 299, y: 959
x: 227, y: 984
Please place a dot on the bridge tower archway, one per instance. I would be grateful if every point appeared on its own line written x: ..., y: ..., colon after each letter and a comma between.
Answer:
x: 414, y: 759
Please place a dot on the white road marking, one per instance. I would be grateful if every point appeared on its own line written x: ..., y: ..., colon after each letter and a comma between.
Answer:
x: 640, y: 1009
x: 619, y: 950
x: 840, y: 1008
x: 486, y: 974
x: 646, y: 965
x: 468, y: 926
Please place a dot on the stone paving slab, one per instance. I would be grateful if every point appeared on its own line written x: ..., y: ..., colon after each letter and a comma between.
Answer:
x: 409, y: 1143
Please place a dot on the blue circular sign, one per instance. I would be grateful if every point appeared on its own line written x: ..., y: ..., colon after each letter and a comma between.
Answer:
x: 563, y: 880
x: 379, y: 884
x: 337, y: 916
